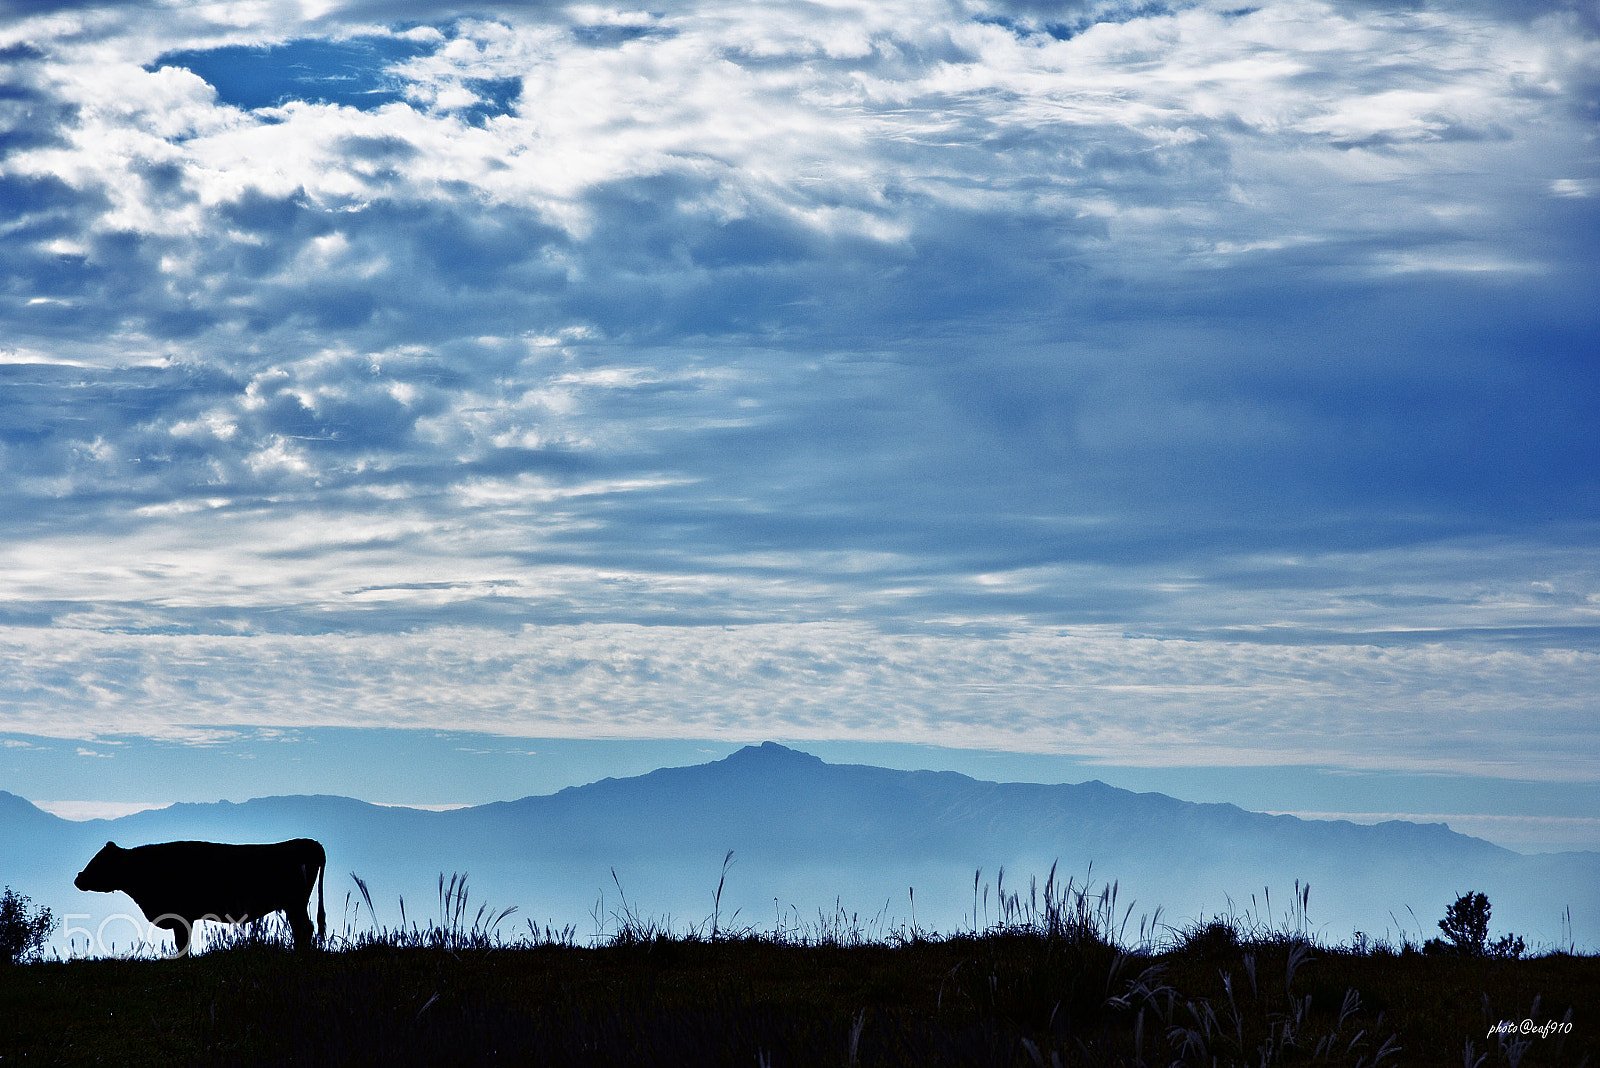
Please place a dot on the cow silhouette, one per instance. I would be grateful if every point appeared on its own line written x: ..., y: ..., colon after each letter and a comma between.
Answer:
x: 177, y: 884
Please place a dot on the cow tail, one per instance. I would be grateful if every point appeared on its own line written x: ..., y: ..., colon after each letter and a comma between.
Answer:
x: 322, y: 884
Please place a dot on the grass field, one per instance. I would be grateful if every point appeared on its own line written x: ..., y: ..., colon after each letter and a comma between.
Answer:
x: 1055, y: 980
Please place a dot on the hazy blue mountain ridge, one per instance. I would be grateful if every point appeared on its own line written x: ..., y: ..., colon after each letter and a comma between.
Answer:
x: 806, y: 834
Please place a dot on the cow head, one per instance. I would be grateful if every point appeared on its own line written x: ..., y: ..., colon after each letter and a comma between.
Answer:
x: 103, y: 873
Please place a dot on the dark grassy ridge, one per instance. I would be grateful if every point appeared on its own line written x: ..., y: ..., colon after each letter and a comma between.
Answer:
x: 1002, y: 998
x: 1055, y: 980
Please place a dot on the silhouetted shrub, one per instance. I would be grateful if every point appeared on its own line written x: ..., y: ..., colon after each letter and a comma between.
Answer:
x: 22, y: 932
x: 1219, y: 938
x: 1466, y: 925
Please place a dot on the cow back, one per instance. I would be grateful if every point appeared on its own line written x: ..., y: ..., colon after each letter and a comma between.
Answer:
x: 234, y: 882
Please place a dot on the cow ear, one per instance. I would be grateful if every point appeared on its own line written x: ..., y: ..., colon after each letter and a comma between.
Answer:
x: 112, y: 845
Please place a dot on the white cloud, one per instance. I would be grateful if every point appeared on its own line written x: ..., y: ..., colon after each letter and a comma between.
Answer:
x: 1571, y: 187
x: 97, y: 810
x: 1092, y: 692
x: 863, y: 99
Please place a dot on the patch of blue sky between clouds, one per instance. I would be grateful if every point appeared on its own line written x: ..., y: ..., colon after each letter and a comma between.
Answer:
x: 363, y: 72
x: 356, y: 72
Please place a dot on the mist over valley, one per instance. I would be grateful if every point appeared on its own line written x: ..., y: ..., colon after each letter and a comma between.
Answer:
x: 809, y: 839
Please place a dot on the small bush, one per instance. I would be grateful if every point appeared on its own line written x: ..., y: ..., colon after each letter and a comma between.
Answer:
x: 1510, y: 947
x: 1219, y: 938
x: 22, y: 932
x: 1466, y: 925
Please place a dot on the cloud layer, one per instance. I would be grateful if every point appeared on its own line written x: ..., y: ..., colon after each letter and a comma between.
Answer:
x: 885, y: 370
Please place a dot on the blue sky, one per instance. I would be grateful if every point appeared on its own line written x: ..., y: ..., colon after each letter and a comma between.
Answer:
x: 1135, y: 391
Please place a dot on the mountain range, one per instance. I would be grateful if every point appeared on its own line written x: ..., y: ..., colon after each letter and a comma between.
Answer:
x: 809, y: 839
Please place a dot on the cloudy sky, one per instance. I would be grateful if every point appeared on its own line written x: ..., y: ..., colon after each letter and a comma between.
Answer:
x: 1176, y: 388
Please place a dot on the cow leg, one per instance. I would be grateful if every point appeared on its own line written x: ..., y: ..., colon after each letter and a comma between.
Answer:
x: 300, y: 923
x: 180, y: 929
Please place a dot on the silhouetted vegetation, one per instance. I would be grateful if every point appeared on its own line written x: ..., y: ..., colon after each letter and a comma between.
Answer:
x: 1466, y: 925
x: 22, y: 930
x: 1051, y: 974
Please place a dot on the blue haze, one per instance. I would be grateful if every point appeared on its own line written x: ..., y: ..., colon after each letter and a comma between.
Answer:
x: 890, y: 848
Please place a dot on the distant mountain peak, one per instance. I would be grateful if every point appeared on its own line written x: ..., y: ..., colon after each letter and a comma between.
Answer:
x: 14, y: 806
x: 770, y: 752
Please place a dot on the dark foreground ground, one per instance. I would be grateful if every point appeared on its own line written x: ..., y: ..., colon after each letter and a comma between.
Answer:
x: 994, y: 999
